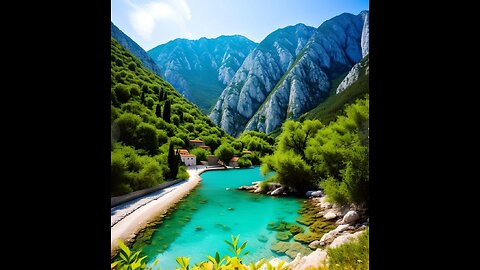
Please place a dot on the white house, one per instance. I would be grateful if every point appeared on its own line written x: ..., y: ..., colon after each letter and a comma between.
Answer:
x: 187, y: 158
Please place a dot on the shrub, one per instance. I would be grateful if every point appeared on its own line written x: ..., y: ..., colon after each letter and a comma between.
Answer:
x: 119, y: 63
x: 149, y: 102
x: 132, y: 66
x: 122, y: 93
x: 134, y: 91
x: 127, y: 124
x: 201, y: 154
x: 182, y: 173
x: 225, y: 152
x: 244, y: 162
x: 147, y: 138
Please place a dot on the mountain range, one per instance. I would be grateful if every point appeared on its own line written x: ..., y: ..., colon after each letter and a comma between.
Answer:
x: 290, y: 72
x: 243, y: 85
x: 200, y: 69
x: 135, y: 49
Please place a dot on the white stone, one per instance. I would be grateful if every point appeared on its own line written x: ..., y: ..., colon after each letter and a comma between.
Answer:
x: 350, y: 217
x: 277, y: 191
x: 329, y: 215
x: 342, y: 239
x: 315, y: 244
x: 315, y: 259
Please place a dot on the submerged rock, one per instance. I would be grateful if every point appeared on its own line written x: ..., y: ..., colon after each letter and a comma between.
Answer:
x: 295, y: 229
x: 283, y: 236
x: 290, y: 249
x: 262, y: 238
x: 307, y: 238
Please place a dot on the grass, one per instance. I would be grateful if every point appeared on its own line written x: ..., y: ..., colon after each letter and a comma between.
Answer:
x: 351, y: 255
x: 333, y: 106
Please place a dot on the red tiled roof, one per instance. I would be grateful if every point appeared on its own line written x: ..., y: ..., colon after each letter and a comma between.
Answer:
x: 196, y: 141
x: 187, y: 155
x: 234, y: 159
x: 205, y: 146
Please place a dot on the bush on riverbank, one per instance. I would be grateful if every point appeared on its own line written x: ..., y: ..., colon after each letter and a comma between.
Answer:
x: 333, y: 157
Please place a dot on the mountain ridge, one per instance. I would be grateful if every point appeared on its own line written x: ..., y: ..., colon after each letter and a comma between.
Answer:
x: 200, y: 69
x: 303, y: 81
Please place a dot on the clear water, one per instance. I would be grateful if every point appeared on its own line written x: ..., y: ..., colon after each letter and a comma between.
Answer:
x: 212, y: 213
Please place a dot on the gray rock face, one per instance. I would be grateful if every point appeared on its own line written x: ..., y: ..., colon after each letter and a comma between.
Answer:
x: 289, y: 73
x: 135, y: 49
x: 365, y: 33
x: 352, y: 75
x: 200, y: 69
x: 257, y: 76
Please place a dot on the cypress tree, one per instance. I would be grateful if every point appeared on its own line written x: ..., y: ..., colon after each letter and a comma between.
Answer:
x: 172, y: 162
x: 142, y: 98
x: 160, y: 95
x: 158, y: 111
x: 166, y: 111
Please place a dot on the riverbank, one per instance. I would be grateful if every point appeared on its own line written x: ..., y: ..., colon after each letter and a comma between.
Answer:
x: 129, y: 225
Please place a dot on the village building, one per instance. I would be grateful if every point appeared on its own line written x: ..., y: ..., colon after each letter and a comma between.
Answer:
x: 196, y: 143
x: 212, y: 160
x: 187, y: 158
x: 233, y: 162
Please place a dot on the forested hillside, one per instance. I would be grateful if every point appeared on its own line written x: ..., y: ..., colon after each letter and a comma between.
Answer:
x: 150, y: 119
x: 148, y: 114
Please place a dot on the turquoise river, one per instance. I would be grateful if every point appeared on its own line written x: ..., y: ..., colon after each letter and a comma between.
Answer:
x: 211, y: 213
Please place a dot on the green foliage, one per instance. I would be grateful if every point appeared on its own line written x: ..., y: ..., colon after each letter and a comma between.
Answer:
x: 134, y: 91
x: 182, y: 173
x: 173, y: 161
x: 225, y: 152
x: 130, y: 260
x: 254, y: 158
x: 291, y: 170
x: 351, y: 255
x: 334, y: 105
x: 122, y: 93
x: 200, y: 153
x: 139, y: 132
x: 333, y: 157
x: 132, y: 66
x: 158, y: 111
x: 166, y: 111
x: 212, y: 140
x: 244, y: 162
x: 147, y: 138
x: 258, y: 142
x: 235, y: 248
x: 127, y: 124
x: 131, y: 171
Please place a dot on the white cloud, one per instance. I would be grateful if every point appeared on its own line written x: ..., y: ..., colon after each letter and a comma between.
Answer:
x: 144, y: 17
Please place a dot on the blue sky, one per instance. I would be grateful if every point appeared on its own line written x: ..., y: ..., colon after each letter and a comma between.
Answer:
x: 154, y: 22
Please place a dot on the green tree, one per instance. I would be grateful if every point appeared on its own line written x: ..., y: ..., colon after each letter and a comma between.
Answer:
x: 127, y: 124
x: 295, y: 135
x: 166, y: 111
x: 244, y: 162
x: 158, y: 110
x: 172, y: 162
x: 291, y: 170
x: 225, y: 152
x: 132, y: 66
x: 122, y: 93
x: 147, y: 138
x: 142, y: 98
x: 175, y: 120
x: 200, y: 153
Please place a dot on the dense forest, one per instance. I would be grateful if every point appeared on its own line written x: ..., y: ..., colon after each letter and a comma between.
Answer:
x: 150, y: 120
x: 334, y: 157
